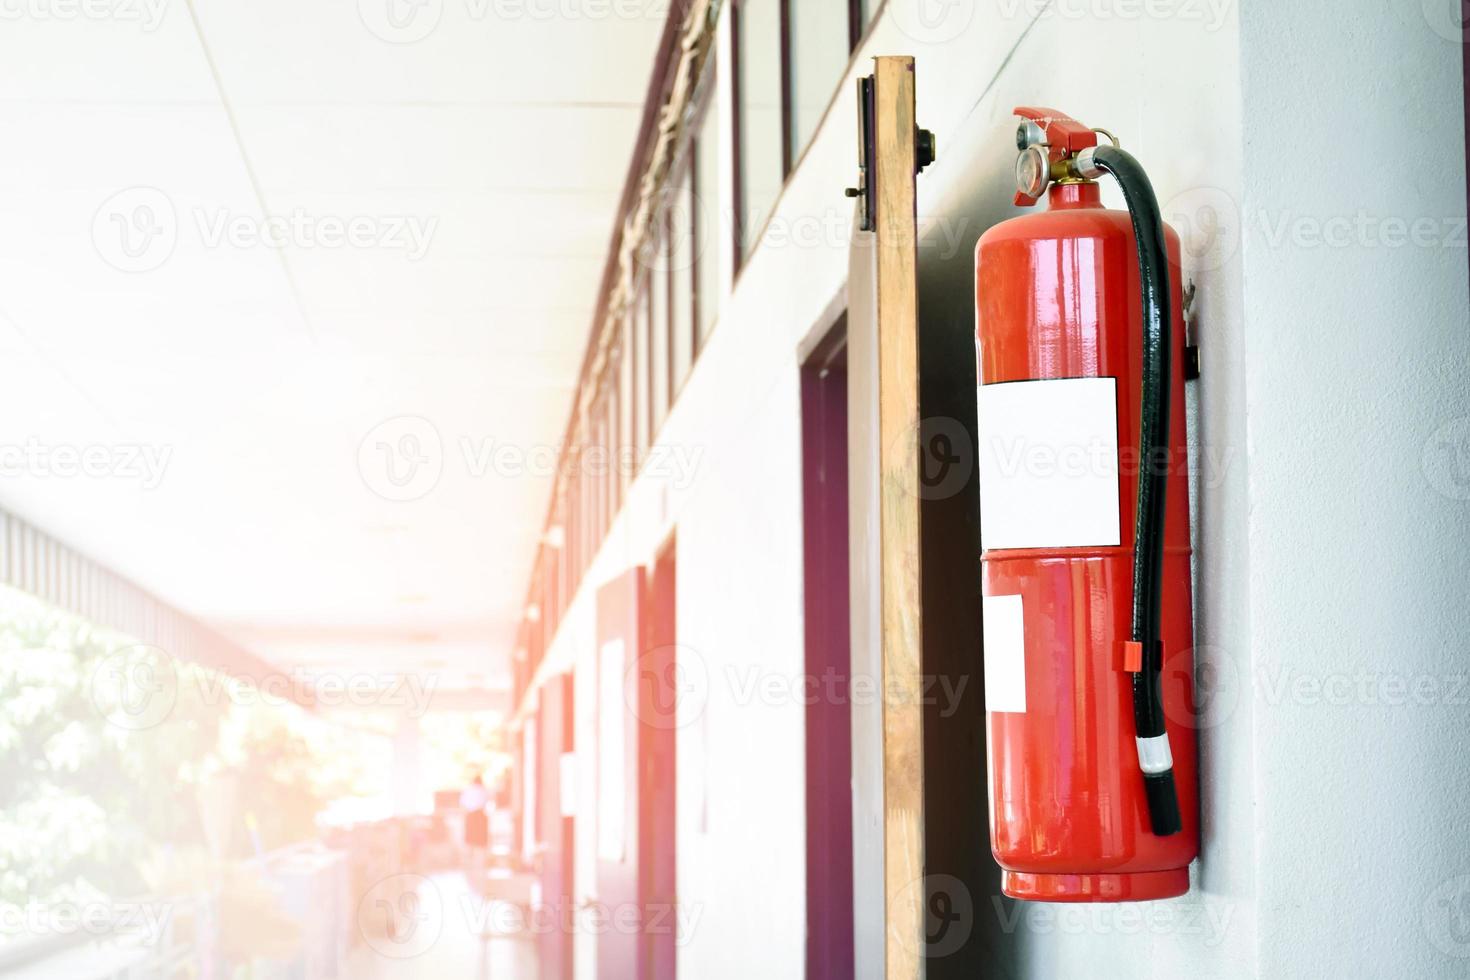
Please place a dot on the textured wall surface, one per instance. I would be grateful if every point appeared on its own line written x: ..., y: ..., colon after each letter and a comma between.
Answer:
x: 1357, y: 403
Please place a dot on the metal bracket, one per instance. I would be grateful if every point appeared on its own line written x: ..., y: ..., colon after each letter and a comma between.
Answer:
x: 1191, y: 345
x: 866, y: 154
x: 924, y: 153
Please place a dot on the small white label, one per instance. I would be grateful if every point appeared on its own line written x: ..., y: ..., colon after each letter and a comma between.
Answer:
x: 1154, y: 755
x: 567, y: 784
x: 1049, y: 464
x: 1005, y: 653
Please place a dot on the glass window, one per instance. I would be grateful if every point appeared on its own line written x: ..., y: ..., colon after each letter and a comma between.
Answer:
x: 569, y: 540
x: 584, y: 501
x: 589, y: 497
x: 658, y: 305
x: 817, y: 32
x: 762, y: 163
x: 681, y: 279
x: 866, y: 10
x: 574, y: 526
x: 643, y: 369
x: 542, y: 600
x: 594, y: 479
x: 626, y: 426
x: 612, y: 425
x: 604, y: 485
x: 563, y: 559
x: 584, y: 505
x: 708, y: 239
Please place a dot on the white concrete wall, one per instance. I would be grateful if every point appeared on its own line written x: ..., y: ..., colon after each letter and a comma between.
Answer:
x: 1336, y: 544
x: 1357, y: 399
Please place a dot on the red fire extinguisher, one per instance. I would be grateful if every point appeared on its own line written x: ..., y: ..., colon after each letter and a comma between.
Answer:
x: 1084, y: 516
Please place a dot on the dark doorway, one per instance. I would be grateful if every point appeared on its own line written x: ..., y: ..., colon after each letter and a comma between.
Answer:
x: 829, y: 906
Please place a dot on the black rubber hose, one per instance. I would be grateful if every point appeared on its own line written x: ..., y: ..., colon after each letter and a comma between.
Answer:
x: 1153, y: 472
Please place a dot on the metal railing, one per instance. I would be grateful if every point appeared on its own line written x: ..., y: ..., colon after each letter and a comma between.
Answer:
x: 304, y: 934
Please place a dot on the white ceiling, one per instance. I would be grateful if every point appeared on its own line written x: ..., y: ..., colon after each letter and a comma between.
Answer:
x: 503, y: 133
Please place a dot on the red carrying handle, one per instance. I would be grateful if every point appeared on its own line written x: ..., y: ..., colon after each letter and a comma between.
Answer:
x: 1064, y: 135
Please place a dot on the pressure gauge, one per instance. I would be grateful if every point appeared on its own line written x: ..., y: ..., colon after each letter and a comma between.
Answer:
x: 1033, y: 171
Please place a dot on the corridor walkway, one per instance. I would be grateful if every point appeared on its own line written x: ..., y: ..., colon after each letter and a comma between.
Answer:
x: 442, y: 938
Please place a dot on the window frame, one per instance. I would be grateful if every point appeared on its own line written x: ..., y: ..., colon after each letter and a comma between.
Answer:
x: 857, y: 32
x: 627, y: 407
x: 612, y: 407
x: 681, y: 171
x: 704, y: 107
x: 786, y: 114
x: 660, y: 290
x: 737, y: 130
x: 738, y: 127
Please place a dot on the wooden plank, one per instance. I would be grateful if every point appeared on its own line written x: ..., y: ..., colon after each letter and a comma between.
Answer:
x: 898, y: 426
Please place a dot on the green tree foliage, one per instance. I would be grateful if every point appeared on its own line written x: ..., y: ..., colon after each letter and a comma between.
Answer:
x: 104, y: 747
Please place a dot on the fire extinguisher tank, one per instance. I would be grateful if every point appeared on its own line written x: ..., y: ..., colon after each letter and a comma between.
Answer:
x: 1060, y: 362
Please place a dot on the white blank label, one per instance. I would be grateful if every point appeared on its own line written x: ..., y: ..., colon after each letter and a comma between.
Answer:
x: 1005, y: 653
x: 567, y: 784
x: 1049, y: 464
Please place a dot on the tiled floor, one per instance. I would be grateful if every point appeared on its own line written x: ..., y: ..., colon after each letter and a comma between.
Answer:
x: 441, y: 940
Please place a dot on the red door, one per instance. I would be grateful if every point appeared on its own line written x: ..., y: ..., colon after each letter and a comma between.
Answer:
x: 657, y: 679
x: 555, y: 733
x: 620, y: 637
x: 635, y: 775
